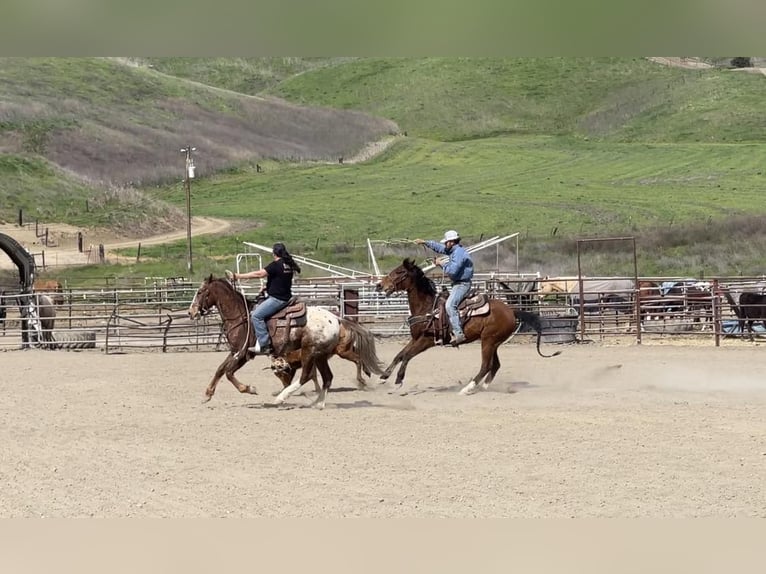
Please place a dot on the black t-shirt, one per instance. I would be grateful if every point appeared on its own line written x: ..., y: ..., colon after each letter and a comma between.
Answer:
x: 280, y: 280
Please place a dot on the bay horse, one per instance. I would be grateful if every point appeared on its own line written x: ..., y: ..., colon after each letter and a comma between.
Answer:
x: 355, y: 344
x: 492, y: 327
x: 315, y: 338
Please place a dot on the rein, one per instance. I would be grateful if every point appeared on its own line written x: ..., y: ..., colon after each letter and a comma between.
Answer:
x: 245, y: 320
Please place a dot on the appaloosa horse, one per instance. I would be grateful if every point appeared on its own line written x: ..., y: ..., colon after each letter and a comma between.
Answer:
x: 492, y: 321
x: 312, y: 330
x: 355, y: 344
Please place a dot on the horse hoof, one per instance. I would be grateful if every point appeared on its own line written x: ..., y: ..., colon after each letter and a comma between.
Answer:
x: 469, y: 389
x: 206, y: 400
x: 251, y: 390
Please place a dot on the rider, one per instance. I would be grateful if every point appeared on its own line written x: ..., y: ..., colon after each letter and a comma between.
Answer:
x: 459, y: 268
x: 279, y: 284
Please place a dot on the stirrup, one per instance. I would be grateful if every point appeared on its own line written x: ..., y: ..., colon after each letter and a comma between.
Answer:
x: 258, y: 350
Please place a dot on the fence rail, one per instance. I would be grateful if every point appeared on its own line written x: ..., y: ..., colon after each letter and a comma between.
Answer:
x: 154, y: 316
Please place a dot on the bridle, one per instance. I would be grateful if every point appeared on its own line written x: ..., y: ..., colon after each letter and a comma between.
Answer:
x: 201, y: 299
x: 398, y: 280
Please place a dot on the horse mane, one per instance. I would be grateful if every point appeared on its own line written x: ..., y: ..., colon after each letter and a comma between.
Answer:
x: 422, y: 283
x: 223, y: 281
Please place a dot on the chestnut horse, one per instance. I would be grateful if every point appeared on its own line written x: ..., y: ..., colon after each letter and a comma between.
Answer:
x: 315, y: 340
x: 492, y: 328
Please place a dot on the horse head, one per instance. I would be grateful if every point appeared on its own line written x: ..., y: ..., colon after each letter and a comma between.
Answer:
x: 400, y: 278
x: 203, y: 300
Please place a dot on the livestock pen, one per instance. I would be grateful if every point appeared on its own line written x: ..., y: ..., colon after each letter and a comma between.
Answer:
x: 154, y: 316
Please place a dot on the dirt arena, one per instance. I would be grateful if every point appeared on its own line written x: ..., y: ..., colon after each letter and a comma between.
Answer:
x: 608, y: 431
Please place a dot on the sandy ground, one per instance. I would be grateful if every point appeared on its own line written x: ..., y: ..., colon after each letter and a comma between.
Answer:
x: 608, y: 431
x: 65, y: 236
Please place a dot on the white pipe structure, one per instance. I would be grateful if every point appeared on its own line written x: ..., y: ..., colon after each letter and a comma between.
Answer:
x: 355, y: 274
x: 372, y: 258
x: 329, y: 267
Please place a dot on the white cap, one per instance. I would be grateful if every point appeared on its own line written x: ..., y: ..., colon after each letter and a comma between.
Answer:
x: 451, y: 235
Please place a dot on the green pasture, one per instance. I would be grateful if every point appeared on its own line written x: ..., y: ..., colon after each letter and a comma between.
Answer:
x: 542, y: 187
x: 552, y: 148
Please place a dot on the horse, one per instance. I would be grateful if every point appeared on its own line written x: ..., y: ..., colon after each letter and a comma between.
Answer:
x: 750, y: 309
x: 315, y: 333
x: 46, y: 314
x: 493, y: 323
x: 355, y: 344
x: 678, y: 298
x: 51, y: 286
x: 556, y: 286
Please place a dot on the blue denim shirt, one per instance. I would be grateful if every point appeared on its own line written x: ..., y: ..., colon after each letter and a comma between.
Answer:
x: 460, y: 266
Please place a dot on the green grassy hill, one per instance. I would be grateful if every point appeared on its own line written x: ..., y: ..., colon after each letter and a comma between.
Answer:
x: 109, y: 122
x: 554, y: 148
x: 615, y: 99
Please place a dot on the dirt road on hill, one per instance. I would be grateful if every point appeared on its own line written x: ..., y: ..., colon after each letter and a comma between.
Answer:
x: 64, y: 250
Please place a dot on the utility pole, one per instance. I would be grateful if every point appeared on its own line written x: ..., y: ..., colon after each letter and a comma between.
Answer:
x: 188, y: 176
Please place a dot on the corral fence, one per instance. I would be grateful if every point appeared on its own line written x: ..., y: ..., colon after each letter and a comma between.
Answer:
x: 153, y: 315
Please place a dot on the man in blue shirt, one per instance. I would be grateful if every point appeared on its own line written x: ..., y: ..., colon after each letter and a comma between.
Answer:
x: 459, y: 268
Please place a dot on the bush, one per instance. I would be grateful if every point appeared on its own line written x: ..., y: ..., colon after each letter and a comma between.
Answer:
x: 742, y: 62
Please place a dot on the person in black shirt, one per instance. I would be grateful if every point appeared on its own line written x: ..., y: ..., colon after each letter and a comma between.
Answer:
x: 279, y: 283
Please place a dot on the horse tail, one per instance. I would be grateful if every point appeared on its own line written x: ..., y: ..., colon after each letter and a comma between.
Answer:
x: 364, y: 343
x: 533, y: 319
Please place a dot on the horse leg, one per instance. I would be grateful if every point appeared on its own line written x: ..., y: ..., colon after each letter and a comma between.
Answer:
x: 314, y: 378
x: 307, y: 368
x: 233, y: 366
x: 210, y: 390
x: 413, y: 349
x: 487, y: 361
x: 324, y: 369
x: 350, y: 355
x: 397, y: 359
x: 492, y: 370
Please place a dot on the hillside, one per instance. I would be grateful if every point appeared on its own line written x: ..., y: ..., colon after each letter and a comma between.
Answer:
x: 556, y: 148
x: 107, y: 121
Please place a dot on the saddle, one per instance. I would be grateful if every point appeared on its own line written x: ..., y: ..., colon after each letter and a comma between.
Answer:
x: 474, y: 304
x: 280, y: 323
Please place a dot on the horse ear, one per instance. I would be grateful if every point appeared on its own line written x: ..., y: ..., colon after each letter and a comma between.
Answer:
x: 408, y: 263
x: 210, y: 278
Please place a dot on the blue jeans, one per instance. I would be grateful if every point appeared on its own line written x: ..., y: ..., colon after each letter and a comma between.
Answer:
x: 263, y: 311
x: 456, y: 295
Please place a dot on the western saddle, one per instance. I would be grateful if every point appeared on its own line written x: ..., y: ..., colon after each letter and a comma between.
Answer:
x: 474, y: 304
